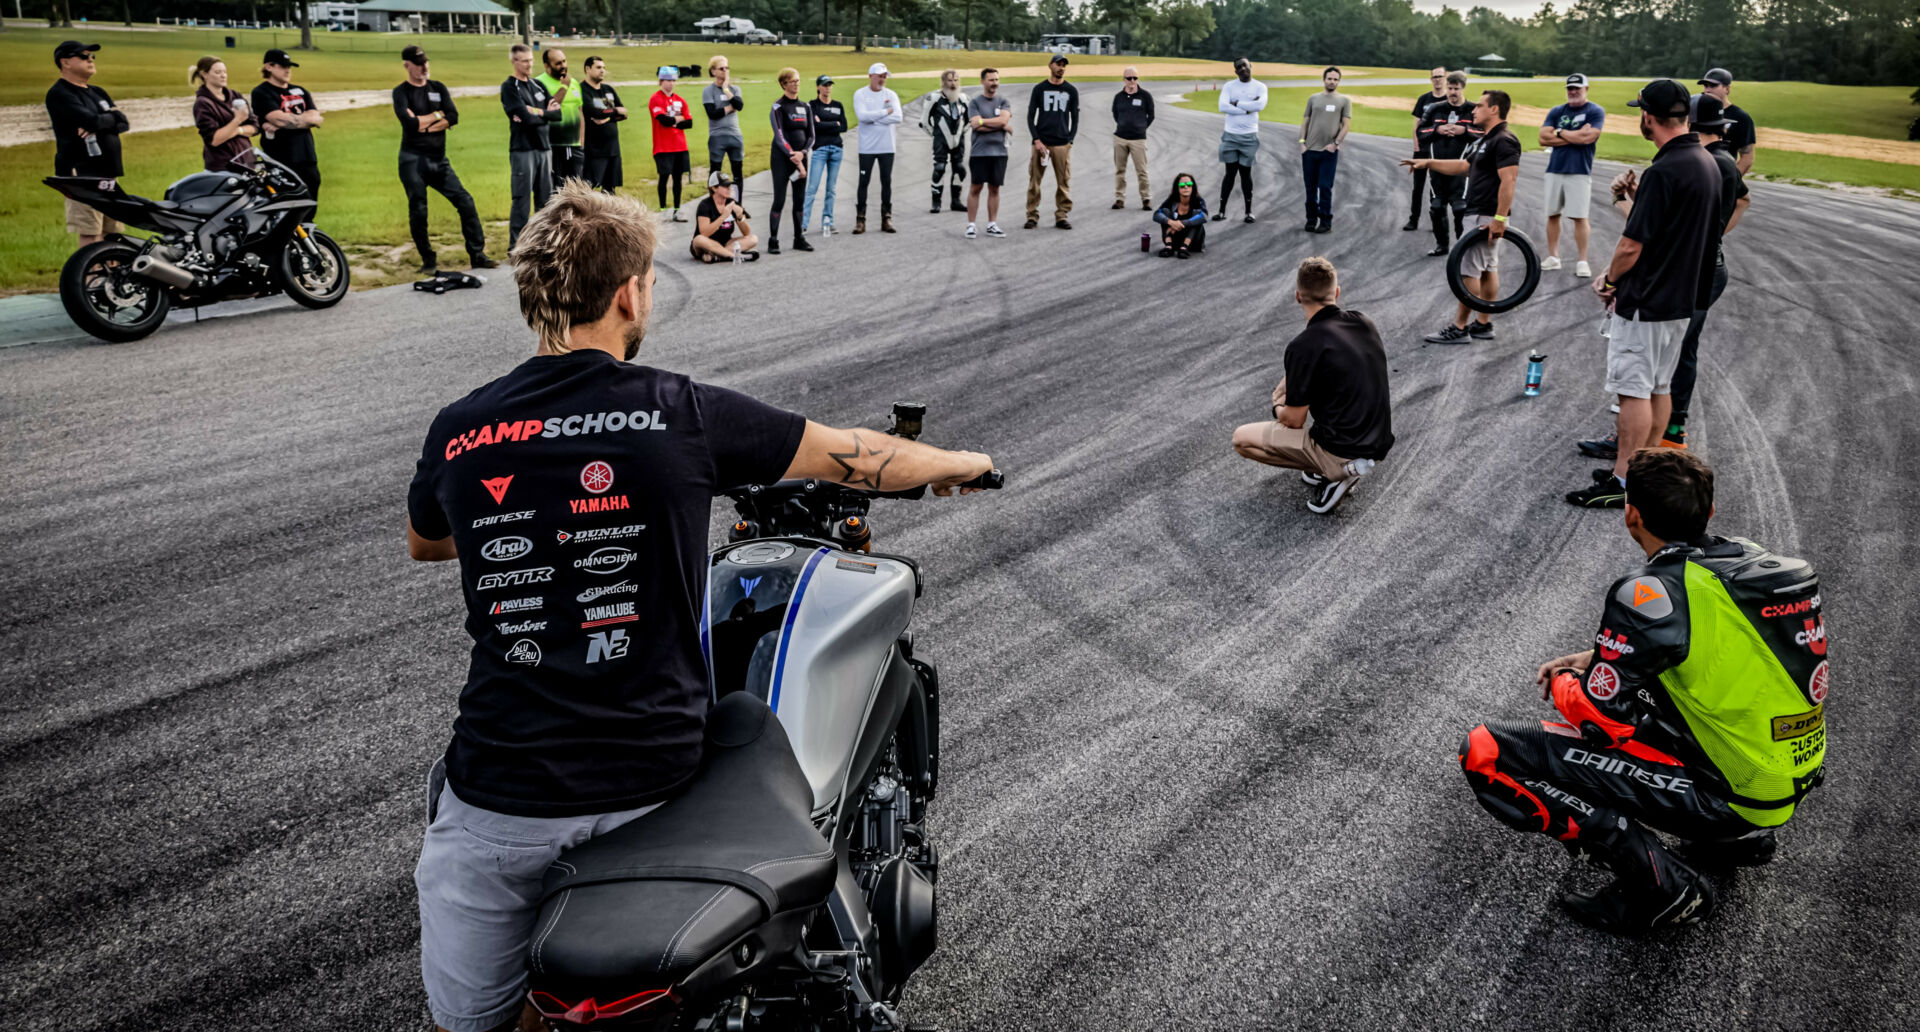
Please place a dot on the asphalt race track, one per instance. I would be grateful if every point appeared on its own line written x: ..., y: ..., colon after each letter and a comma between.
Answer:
x: 1199, y: 754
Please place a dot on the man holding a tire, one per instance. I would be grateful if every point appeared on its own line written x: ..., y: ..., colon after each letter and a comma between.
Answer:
x: 1491, y: 164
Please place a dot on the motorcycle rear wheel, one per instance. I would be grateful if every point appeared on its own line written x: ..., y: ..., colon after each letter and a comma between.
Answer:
x: 314, y: 283
x: 103, y: 296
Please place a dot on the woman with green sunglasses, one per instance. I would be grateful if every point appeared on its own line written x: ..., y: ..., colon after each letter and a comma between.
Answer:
x: 1182, y: 219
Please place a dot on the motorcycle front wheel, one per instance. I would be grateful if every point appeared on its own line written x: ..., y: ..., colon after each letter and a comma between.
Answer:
x: 317, y: 279
x: 104, y: 297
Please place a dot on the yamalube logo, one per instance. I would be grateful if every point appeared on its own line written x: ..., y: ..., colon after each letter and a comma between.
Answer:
x: 506, y: 549
x: 524, y: 651
x: 612, y: 613
x: 609, y: 560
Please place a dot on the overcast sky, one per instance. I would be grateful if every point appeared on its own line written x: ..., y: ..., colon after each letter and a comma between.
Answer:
x: 1507, y: 7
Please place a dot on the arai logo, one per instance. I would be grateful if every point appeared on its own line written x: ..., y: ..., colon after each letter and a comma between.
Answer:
x: 506, y: 549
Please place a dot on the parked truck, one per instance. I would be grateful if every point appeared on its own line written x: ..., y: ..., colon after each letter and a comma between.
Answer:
x: 728, y: 29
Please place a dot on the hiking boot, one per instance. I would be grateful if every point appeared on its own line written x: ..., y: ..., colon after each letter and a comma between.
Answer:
x: 958, y: 203
x: 859, y: 225
x: 1603, y: 493
x: 1451, y: 335
x: 886, y: 223
x: 1607, y: 447
x: 1624, y: 910
x: 1062, y: 224
x: 1118, y: 204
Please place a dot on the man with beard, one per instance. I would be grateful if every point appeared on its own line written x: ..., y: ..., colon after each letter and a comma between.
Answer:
x: 602, y: 114
x: 946, y: 122
x: 577, y: 719
x: 1446, y: 130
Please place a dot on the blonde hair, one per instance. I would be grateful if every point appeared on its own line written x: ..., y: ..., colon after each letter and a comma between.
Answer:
x: 575, y: 254
x: 714, y: 62
x: 1317, y: 281
x: 197, y: 72
x: 787, y: 73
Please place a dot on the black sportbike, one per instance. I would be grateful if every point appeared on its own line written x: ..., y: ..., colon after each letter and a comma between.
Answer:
x: 217, y: 236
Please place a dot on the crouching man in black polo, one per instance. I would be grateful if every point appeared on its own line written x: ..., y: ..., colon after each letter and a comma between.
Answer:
x: 1336, y: 371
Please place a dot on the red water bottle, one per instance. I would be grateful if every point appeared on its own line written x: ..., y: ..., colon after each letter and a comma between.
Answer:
x: 1146, y: 242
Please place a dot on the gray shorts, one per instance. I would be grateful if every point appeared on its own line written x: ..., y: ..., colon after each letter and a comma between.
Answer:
x: 725, y: 147
x: 1483, y: 257
x: 1642, y: 356
x: 479, y: 881
x: 1238, y: 148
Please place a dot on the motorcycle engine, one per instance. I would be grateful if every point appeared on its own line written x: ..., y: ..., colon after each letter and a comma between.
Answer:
x: 895, y: 864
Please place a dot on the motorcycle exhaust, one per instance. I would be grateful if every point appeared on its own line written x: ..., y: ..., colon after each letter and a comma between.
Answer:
x: 162, y: 271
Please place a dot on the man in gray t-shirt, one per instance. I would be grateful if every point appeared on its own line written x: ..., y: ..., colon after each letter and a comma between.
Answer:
x: 722, y: 100
x: 1323, y: 128
x: 990, y: 114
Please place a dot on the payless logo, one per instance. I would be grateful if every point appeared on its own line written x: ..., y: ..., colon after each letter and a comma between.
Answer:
x: 516, y: 605
x: 497, y: 487
x: 606, y: 645
x: 1815, y: 636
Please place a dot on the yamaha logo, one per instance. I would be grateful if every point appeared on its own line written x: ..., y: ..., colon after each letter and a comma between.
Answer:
x: 506, y: 549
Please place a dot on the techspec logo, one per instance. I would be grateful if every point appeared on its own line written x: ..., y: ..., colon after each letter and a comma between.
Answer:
x: 497, y: 487
x: 515, y: 578
x: 622, y: 588
x: 516, y: 605
x: 606, y: 561
x: 521, y: 430
x: 588, y: 537
x: 506, y: 549
x: 617, y: 612
x: 524, y: 651
x: 505, y: 517
x: 606, y: 645
x: 522, y: 628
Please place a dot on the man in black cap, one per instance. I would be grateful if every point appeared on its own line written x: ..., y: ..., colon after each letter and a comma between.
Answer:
x: 290, y: 115
x: 86, y: 134
x: 425, y: 109
x: 1740, y: 136
x: 1653, y: 284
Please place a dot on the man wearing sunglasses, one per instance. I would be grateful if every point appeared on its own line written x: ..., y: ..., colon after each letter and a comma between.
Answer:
x: 1436, y: 95
x: 86, y: 135
x: 1132, y: 114
x: 1570, y: 133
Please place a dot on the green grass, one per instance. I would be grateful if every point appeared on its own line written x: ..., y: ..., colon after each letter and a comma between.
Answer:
x: 1285, y: 106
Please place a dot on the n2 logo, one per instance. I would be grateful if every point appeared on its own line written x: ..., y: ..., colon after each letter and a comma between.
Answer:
x: 606, y: 645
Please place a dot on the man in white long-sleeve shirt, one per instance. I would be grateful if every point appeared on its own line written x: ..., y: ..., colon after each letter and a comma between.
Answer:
x: 878, y: 111
x: 1241, y: 101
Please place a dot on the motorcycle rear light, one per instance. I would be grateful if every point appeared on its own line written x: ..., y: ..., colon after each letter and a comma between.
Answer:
x: 588, y: 1010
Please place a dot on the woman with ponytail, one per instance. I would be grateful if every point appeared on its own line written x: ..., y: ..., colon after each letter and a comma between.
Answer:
x: 226, y: 124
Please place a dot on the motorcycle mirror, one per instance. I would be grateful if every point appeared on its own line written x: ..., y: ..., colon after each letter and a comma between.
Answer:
x: 907, y: 419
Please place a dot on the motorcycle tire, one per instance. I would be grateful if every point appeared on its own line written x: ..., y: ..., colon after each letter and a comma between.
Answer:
x: 1529, y: 282
x: 300, y: 285
x: 95, y: 302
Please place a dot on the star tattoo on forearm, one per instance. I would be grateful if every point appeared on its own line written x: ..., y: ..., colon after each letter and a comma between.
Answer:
x: 861, y: 451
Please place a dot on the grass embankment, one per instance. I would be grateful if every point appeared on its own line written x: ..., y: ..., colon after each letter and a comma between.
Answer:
x: 1870, y: 111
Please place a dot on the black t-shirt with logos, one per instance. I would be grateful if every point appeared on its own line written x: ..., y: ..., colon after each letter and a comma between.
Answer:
x: 1485, y: 158
x: 709, y: 210
x: 602, y: 141
x: 1337, y: 368
x: 289, y: 146
x: 1674, y: 209
x: 577, y: 489
x: 1421, y: 103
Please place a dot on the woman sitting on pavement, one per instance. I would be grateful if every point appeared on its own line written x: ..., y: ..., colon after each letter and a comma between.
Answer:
x: 720, y: 226
x: 1182, y: 219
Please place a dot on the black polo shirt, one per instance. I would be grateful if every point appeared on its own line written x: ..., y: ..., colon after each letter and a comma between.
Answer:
x: 1485, y: 158
x: 1337, y: 368
x: 1420, y: 106
x: 1673, y: 216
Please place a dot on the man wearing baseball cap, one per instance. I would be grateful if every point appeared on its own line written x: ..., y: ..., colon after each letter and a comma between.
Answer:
x: 86, y: 134
x: 426, y: 112
x: 1570, y: 133
x: 877, y: 109
x: 290, y: 115
x: 1740, y: 136
x: 1654, y: 282
x: 1053, y: 117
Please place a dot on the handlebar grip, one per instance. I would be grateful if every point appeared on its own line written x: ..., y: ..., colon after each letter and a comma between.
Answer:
x: 991, y: 480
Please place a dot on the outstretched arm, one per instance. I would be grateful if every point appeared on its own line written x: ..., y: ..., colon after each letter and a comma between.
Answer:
x: 873, y: 461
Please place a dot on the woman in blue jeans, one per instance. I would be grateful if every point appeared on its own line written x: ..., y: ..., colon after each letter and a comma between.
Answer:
x: 830, y: 120
x: 1182, y: 219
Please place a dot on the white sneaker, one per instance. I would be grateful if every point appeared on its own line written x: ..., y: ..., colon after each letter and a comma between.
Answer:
x: 826, y: 229
x: 1583, y: 270
x: 1549, y: 263
x: 993, y: 229
x: 970, y: 232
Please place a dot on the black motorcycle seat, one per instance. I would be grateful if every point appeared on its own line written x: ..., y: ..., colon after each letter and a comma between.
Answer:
x: 655, y: 897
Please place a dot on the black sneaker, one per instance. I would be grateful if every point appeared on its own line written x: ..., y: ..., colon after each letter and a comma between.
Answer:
x: 800, y: 244
x: 1062, y: 224
x: 1412, y: 224
x: 1607, y: 447
x: 1451, y: 335
x: 481, y: 261
x: 1675, y: 437
x: 1118, y: 204
x: 1601, y: 494
x: 773, y: 245
x: 1311, y: 479
x: 1031, y: 223
x: 1439, y: 251
x: 1624, y: 910
x: 1312, y: 226
x: 1480, y: 330
x: 1754, y: 849
x: 1326, y: 226
x: 1219, y: 216
x: 1330, y: 493
x: 429, y: 268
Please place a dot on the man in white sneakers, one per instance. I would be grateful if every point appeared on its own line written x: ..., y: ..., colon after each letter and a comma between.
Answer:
x: 1570, y: 133
x: 877, y: 108
x: 989, y: 115
x: 1241, y: 101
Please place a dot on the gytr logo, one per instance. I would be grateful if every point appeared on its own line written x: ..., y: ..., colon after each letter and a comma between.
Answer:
x: 506, y: 549
x: 606, y: 645
x: 515, y: 578
x: 747, y: 584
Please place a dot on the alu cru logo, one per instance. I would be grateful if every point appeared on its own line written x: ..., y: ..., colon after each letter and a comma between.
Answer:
x: 505, y: 517
x: 622, y: 588
x: 522, y: 430
x: 612, y: 613
x: 516, y: 605
x: 497, y: 487
x: 514, y: 578
x: 506, y: 549
x: 524, y: 651
x: 596, y: 477
x: 604, y: 561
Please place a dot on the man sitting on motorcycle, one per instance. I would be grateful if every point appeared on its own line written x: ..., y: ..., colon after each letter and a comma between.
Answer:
x: 1702, y: 716
x: 575, y: 492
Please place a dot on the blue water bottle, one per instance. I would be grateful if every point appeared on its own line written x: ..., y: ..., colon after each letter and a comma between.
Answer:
x: 1535, y: 364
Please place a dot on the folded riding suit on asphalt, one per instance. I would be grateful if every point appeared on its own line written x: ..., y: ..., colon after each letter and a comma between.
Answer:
x: 946, y: 120
x: 1702, y: 715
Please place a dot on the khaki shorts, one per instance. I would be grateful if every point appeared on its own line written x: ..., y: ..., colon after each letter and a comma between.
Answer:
x: 86, y: 221
x: 1482, y: 257
x: 1278, y: 445
x: 1569, y: 195
x: 1642, y: 356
